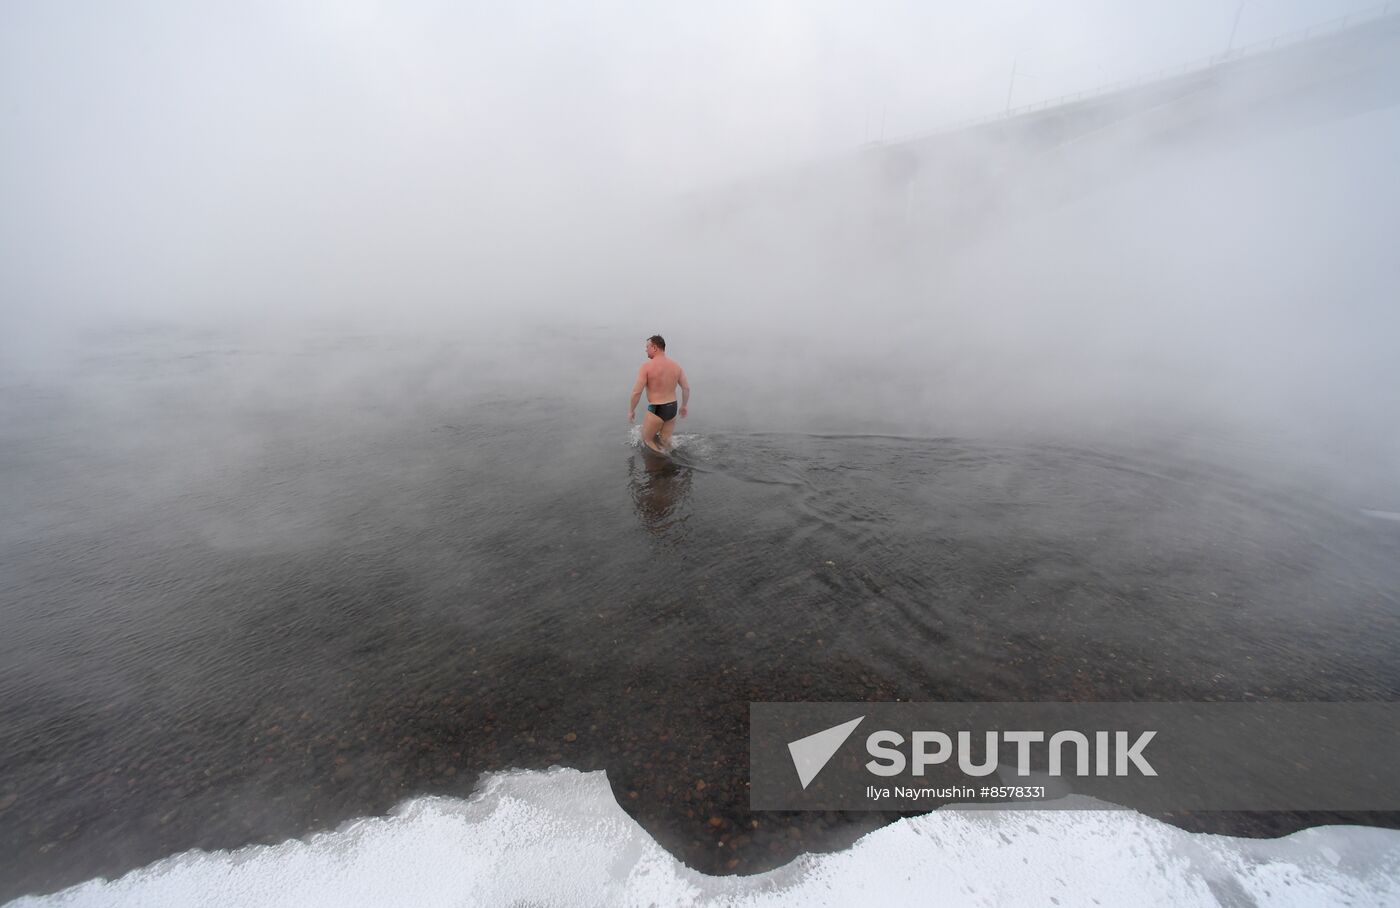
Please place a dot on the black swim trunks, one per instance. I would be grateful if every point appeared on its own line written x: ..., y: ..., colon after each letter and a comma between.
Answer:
x: 667, y: 412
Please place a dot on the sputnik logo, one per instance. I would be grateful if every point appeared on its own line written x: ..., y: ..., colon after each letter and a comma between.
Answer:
x: 811, y: 753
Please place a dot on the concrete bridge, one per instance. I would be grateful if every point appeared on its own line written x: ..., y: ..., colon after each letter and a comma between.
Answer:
x: 949, y: 176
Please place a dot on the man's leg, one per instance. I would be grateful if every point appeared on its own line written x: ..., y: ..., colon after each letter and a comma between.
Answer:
x: 666, y: 429
x: 651, y: 424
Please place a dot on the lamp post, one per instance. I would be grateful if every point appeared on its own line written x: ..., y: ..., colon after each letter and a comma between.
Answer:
x: 1012, y: 84
x: 1229, y: 45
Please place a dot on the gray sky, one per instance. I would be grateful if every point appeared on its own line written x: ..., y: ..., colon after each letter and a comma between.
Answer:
x: 175, y: 153
x: 668, y: 92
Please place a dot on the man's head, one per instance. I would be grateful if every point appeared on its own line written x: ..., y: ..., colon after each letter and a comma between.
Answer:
x: 655, y: 344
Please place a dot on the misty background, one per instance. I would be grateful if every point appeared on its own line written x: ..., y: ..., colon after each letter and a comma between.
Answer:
x: 464, y: 178
x: 317, y: 321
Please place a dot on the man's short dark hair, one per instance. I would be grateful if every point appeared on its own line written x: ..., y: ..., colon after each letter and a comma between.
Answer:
x: 659, y: 341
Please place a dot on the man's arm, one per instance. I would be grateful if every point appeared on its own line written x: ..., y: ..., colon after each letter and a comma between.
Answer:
x: 685, y: 392
x: 637, y: 393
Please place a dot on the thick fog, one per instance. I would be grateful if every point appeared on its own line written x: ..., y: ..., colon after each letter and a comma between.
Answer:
x: 745, y: 179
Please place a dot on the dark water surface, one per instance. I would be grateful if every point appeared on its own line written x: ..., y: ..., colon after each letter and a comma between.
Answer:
x: 250, y: 592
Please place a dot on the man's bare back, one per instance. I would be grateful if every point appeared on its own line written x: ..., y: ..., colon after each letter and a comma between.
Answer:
x: 662, y: 375
x: 659, y: 376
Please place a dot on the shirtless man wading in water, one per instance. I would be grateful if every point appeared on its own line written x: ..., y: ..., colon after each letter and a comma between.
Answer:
x: 659, y: 375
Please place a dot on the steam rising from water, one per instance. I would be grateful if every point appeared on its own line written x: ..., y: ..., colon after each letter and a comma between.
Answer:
x: 489, y: 173
x: 276, y: 274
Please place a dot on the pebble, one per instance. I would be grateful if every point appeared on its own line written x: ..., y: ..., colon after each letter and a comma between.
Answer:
x: 571, y: 737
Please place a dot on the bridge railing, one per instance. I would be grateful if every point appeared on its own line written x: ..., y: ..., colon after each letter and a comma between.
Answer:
x: 1200, y: 64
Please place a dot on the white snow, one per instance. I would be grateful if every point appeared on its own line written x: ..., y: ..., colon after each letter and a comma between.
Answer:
x: 559, y: 838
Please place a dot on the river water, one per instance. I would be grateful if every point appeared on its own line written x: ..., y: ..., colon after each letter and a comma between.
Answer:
x: 253, y: 589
